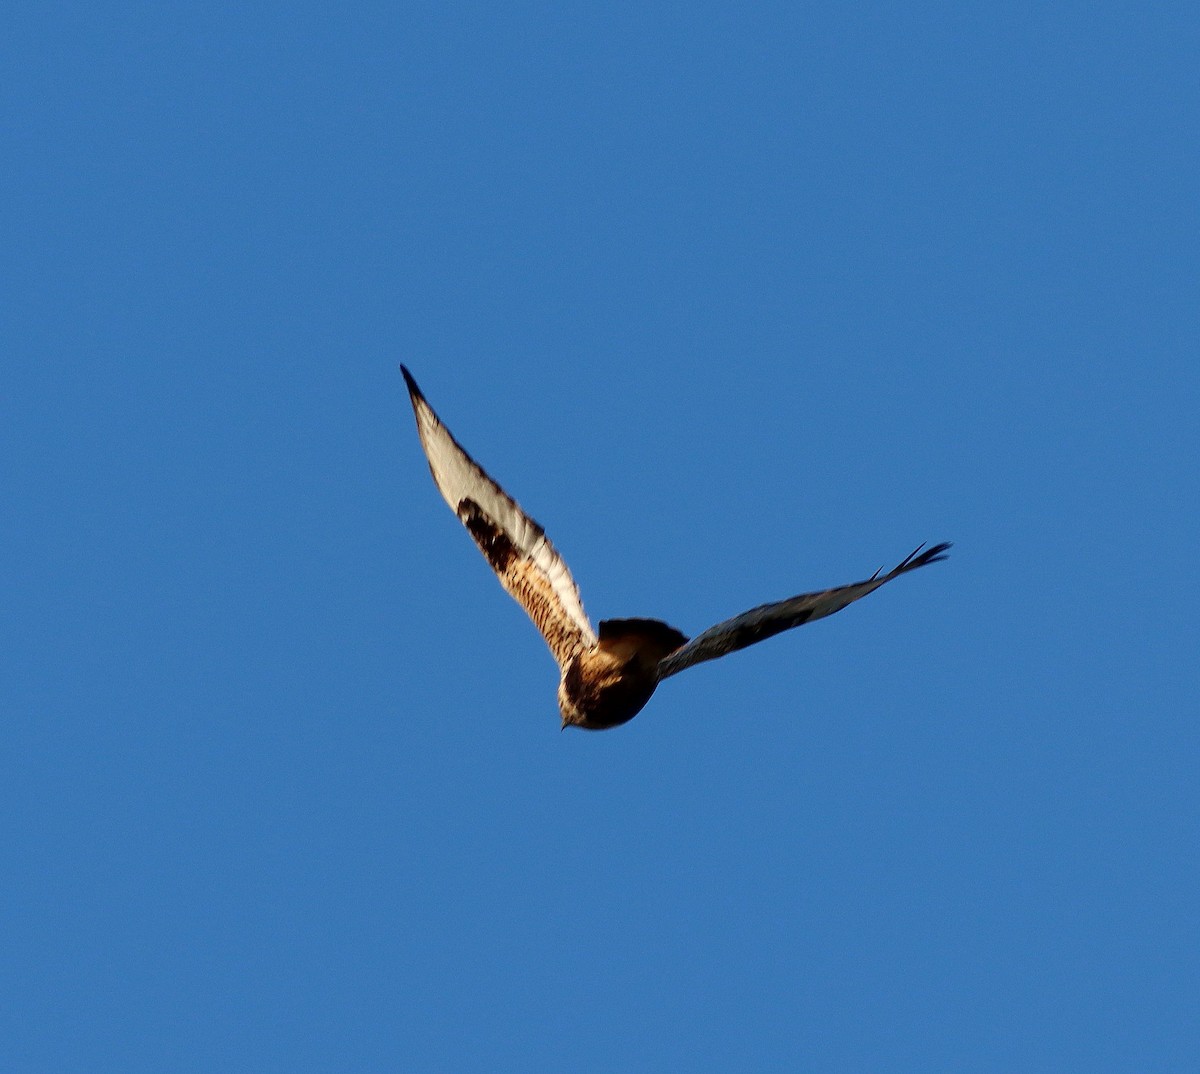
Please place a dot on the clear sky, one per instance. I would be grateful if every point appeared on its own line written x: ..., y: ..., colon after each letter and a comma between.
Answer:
x: 739, y: 302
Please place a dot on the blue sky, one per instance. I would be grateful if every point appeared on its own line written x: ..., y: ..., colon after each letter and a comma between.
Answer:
x: 738, y: 303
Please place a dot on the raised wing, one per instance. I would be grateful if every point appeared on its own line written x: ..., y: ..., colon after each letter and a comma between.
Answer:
x: 769, y: 619
x: 516, y: 547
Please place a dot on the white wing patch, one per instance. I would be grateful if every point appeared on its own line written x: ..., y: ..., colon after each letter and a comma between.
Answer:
x: 517, y: 548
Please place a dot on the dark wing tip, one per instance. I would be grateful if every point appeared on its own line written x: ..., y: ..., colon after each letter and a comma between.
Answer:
x: 413, y: 390
x: 917, y: 558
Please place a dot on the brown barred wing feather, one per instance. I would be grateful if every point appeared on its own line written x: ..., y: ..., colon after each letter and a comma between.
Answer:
x: 515, y: 546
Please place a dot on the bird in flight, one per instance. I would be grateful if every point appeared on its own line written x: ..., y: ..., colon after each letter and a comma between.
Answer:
x: 606, y: 676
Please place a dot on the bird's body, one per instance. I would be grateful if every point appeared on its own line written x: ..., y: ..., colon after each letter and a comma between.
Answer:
x: 611, y: 682
x: 606, y: 677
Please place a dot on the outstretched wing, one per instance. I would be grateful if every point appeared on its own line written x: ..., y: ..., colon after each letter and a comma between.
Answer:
x: 770, y: 619
x: 516, y: 547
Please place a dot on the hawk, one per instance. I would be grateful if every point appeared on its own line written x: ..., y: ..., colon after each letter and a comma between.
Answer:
x: 605, y: 676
